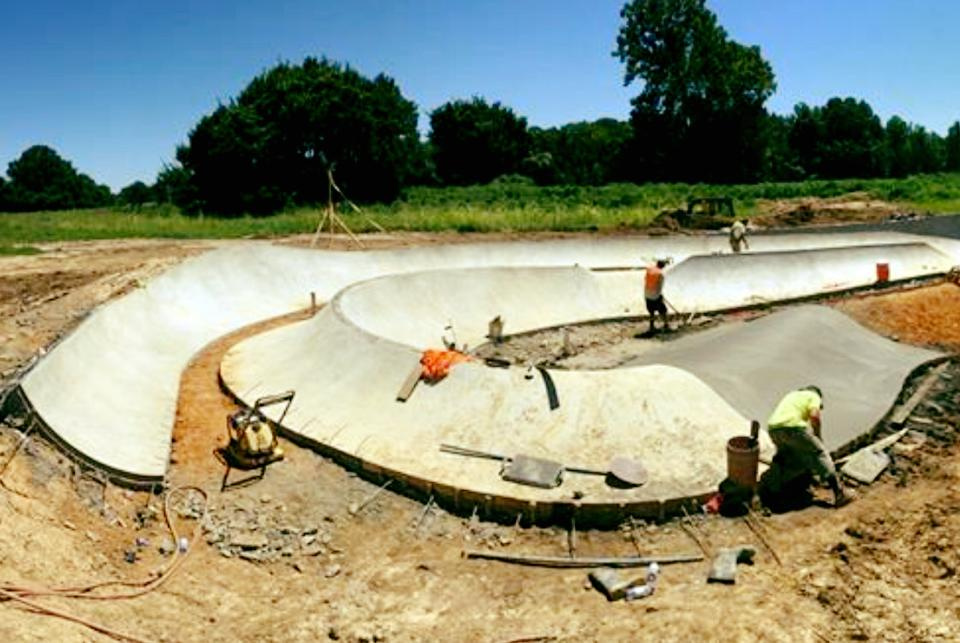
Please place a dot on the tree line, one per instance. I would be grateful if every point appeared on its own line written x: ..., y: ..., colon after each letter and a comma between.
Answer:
x: 699, y: 117
x: 40, y: 180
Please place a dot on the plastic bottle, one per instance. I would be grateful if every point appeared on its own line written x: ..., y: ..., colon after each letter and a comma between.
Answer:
x: 648, y: 588
x: 653, y: 573
x: 638, y: 591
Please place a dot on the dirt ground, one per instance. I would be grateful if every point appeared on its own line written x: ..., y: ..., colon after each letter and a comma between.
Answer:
x: 846, y: 209
x: 856, y: 207
x: 312, y: 552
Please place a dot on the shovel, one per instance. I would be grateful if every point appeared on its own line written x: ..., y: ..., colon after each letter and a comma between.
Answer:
x: 624, y: 470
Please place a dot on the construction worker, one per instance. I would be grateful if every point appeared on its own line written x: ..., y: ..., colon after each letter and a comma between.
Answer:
x: 738, y: 236
x: 653, y: 293
x: 794, y: 428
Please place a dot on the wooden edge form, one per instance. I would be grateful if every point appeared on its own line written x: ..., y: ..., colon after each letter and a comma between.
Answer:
x: 903, y: 412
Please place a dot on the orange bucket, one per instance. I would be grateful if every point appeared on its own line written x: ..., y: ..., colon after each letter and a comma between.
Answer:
x: 883, y: 272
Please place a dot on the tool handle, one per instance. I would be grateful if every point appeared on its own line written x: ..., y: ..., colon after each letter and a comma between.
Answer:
x: 449, y: 448
x: 591, y: 472
x: 754, y: 432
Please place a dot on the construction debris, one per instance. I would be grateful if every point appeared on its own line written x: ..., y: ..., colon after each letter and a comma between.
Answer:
x: 866, y: 465
x: 879, y: 445
x: 247, y: 535
x: 609, y: 583
x: 724, y: 566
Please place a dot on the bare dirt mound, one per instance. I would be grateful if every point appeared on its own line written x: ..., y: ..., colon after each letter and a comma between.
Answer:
x: 856, y: 207
x: 924, y: 317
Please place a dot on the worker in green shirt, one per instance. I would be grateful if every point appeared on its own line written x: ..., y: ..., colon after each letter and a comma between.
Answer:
x: 794, y: 428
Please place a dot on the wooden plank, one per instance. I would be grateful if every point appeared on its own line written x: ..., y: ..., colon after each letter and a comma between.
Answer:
x: 901, y: 413
x: 879, y: 445
x: 866, y: 465
x: 409, y: 384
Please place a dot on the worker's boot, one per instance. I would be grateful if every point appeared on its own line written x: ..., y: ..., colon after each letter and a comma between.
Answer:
x: 840, y: 496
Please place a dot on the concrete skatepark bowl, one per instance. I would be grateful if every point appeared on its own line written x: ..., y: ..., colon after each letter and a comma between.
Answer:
x: 107, y: 393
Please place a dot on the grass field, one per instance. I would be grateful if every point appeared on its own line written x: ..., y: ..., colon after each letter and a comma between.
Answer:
x: 506, y: 205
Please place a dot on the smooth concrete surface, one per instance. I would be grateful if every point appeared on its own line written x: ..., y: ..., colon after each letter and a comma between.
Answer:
x: 347, y: 380
x: 753, y: 364
x: 710, y: 282
x: 109, y: 389
x: 415, y: 308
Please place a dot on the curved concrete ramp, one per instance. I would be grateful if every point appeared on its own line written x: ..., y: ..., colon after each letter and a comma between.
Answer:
x: 347, y: 380
x: 109, y: 390
x: 415, y: 308
x: 715, y: 282
x: 753, y: 364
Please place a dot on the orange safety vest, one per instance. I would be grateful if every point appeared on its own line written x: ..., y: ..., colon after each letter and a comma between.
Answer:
x: 653, y: 282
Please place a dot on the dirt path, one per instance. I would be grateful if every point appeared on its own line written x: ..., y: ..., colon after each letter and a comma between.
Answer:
x: 291, y: 557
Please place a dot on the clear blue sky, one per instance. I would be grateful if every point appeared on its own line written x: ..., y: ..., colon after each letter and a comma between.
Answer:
x: 115, y: 86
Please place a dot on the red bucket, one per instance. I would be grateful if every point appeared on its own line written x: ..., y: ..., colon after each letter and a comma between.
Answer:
x: 883, y: 272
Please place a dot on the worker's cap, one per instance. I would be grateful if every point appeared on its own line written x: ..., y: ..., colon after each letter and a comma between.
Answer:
x: 814, y: 388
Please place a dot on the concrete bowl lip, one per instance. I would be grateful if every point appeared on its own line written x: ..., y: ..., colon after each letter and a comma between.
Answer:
x: 336, y: 304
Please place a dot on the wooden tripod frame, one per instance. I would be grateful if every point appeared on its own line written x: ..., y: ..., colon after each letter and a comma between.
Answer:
x: 334, y: 220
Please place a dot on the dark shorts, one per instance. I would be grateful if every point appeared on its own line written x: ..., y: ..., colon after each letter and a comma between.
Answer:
x: 800, y: 450
x: 656, y: 306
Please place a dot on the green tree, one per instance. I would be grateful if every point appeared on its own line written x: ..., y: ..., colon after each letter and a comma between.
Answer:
x: 927, y: 151
x: 135, y: 195
x: 41, y: 180
x: 780, y: 161
x: 952, y: 148
x: 174, y: 185
x: 475, y: 142
x: 897, y: 150
x: 271, y: 147
x: 842, y: 139
x: 586, y: 153
x: 852, y: 140
x: 700, y: 113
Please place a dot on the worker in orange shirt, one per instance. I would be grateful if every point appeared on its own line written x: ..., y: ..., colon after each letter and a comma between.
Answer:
x: 653, y: 293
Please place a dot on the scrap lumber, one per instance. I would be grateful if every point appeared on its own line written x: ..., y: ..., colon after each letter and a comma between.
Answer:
x: 866, y: 465
x: 563, y: 562
x: 723, y: 569
x: 879, y: 445
x: 413, y: 377
x: 901, y: 413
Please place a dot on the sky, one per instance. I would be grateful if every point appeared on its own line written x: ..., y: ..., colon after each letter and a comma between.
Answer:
x: 114, y: 87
